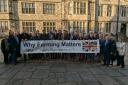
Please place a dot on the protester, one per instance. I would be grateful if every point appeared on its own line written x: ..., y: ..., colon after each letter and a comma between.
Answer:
x: 90, y: 56
x: 18, y: 41
x: 109, y: 50
x: 5, y: 49
x: 12, y: 48
x: 24, y: 37
x: 113, y: 49
x: 101, y: 42
x: 107, y: 45
x: 121, y: 48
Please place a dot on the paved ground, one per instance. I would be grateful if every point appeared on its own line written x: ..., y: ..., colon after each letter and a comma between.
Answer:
x: 62, y: 73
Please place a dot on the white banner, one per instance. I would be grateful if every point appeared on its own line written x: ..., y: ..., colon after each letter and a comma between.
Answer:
x: 60, y: 46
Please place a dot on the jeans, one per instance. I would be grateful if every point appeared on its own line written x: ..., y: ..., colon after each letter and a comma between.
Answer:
x: 106, y: 59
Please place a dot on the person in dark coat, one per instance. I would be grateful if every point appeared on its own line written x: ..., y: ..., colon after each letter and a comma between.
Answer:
x: 12, y: 48
x: 44, y: 35
x: 50, y: 35
x: 32, y: 37
x: 101, y: 42
x: 55, y: 35
x: 38, y: 37
x: 90, y: 56
x: 107, y: 50
x: 24, y: 37
x: 113, y: 50
x: 65, y: 36
x: 91, y: 36
x: 5, y: 49
x: 18, y: 40
x: 59, y: 35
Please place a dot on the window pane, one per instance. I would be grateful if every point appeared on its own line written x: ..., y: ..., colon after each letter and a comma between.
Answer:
x: 48, y: 8
x: 29, y: 26
x: 28, y: 8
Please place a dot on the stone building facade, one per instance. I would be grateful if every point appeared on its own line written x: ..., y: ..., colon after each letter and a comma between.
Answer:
x: 73, y: 15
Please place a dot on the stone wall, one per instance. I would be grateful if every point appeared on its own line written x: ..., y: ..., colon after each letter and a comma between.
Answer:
x: 1, y: 55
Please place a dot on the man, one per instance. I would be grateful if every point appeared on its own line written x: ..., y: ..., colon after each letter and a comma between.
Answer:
x: 55, y: 34
x: 5, y: 49
x: 65, y: 36
x: 12, y: 48
x: 25, y: 36
x: 91, y: 36
x: 18, y: 40
x: 113, y: 49
x: 101, y: 42
x: 59, y: 35
x: 44, y: 35
x: 90, y: 56
x: 37, y: 37
x: 107, y: 50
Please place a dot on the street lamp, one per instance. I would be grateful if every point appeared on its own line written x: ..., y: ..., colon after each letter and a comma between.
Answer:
x: 96, y: 16
x: 118, y: 10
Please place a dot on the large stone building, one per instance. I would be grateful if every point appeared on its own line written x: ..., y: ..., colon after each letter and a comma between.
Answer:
x: 73, y: 15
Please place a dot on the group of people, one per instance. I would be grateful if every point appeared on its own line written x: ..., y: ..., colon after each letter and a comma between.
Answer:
x: 109, y: 50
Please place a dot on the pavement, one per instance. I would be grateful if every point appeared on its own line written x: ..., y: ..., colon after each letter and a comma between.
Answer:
x: 58, y: 72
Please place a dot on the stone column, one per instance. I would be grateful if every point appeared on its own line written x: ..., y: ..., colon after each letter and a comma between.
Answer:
x: 126, y: 56
x: 1, y: 55
x: 127, y: 30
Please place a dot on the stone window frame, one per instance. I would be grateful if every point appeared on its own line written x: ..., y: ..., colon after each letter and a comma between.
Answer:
x: 100, y: 10
x: 3, y: 26
x: 76, y: 26
x: 3, y: 6
x: 28, y: 7
x: 109, y: 10
x: 100, y: 26
x: 108, y: 27
x: 79, y: 8
x: 49, y: 26
x: 123, y: 11
x: 29, y: 26
x: 49, y: 8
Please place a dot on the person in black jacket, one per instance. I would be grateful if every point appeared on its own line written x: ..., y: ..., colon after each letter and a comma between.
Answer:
x: 24, y: 37
x: 12, y: 48
x: 113, y: 50
x: 5, y: 49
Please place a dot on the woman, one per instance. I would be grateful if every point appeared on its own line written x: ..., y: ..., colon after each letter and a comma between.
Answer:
x: 121, y: 48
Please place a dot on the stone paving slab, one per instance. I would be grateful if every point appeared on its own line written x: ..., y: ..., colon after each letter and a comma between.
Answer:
x: 122, y: 80
x: 62, y: 73
x: 106, y: 80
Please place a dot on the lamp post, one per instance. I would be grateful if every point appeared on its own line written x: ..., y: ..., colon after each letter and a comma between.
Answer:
x: 96, y: 16
x: 117, y: 27
x: 89, y: 17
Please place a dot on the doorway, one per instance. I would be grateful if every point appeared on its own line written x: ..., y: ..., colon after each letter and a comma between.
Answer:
x: 123, y: 29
